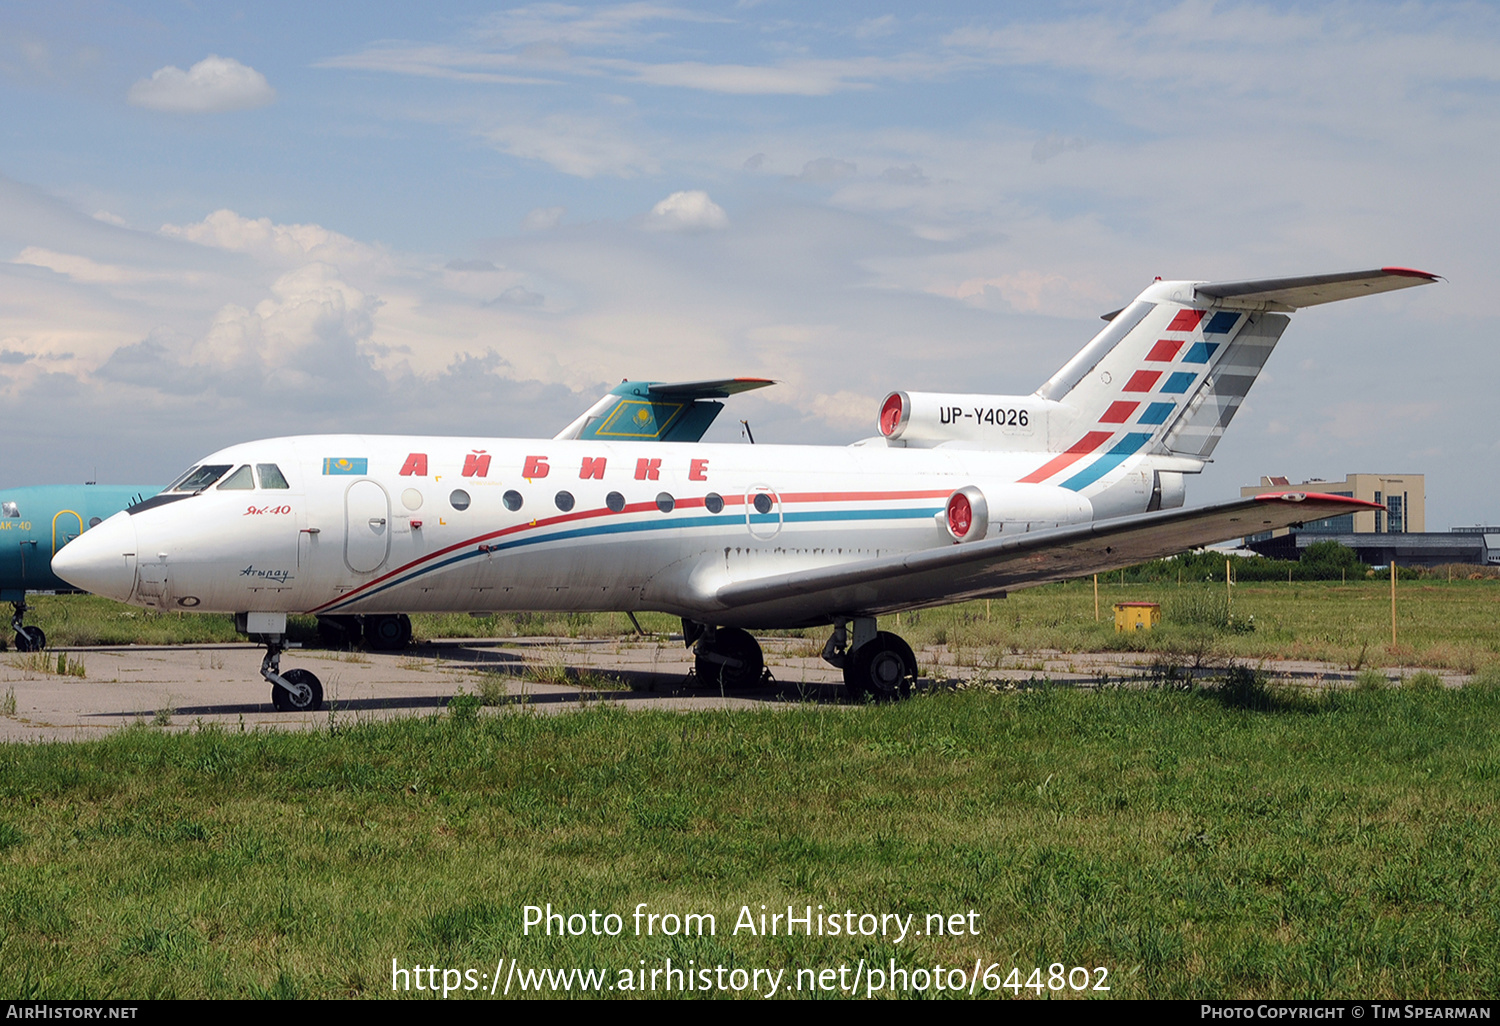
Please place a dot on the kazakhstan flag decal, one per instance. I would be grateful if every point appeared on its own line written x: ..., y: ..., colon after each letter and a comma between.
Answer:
x: 345, y: 465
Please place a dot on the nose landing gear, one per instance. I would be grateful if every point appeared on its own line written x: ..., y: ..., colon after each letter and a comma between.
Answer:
x: 28, y: 639
x: 294, y: 691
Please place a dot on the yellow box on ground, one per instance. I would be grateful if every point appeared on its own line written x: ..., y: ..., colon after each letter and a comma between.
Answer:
x: 1136, y: 616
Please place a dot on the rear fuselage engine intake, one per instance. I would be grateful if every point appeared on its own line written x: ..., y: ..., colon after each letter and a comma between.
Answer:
x: 925, y: 419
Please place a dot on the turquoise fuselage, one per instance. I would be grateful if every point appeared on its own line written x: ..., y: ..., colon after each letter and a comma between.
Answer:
x: 46, y: 518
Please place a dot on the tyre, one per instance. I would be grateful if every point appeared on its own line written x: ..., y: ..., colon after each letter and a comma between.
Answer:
x: 885, y: 669
x: 389, y: 632
x: 286, y: 701
x: 733, y: 661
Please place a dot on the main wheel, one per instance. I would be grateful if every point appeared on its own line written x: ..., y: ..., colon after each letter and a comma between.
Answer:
x: 733, y: 661
x: 30, y: 639
x: 389, y: 632
x: 339, y: 631
x: 884, y: 669
x: 286, y: 701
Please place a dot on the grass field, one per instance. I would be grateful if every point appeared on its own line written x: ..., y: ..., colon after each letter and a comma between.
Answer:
x: 1440, y: 624
x: 1226, y: 843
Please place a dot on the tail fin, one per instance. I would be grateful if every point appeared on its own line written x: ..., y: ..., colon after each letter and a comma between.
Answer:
x: 1173, y: 367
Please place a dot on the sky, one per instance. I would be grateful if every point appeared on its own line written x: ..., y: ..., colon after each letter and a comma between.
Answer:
x: 220, y: 223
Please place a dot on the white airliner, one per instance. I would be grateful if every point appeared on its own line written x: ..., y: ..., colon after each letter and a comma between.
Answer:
x: 957, y: 497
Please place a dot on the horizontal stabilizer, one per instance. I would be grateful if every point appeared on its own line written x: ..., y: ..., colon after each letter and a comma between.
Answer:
x: 658, y: 411
x: 721, y: 389
x: 1288, y: 294
x: 959, y: 572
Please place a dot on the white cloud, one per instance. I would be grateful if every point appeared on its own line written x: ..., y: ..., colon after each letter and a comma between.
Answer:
x: 578, y: 145
x: 213, y: 85
x: 311, y: 319
x: 1054, y: 144
x: 810, y: 78
x: 543, y: 218
x: 827, y: 169
x: 80, y: 268
x: 281, y: 243
x: 687, y: 211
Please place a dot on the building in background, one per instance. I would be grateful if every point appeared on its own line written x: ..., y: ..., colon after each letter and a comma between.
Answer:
x: 1404, y: 497
x: 1397, y: 532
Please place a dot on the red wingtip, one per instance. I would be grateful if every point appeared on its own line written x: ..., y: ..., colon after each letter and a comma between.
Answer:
x: 1341, y: 500
x: 1407, y: 272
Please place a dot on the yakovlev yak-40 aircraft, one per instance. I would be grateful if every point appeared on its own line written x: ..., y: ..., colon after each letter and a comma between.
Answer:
x: 958, y: 497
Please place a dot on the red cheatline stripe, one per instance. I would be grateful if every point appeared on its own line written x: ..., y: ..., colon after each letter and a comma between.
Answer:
x: 1186, y: 320
x: 1165, y: 350
x: 1118, y: 413
x: 1141, y: 381
x: 1079, y: 449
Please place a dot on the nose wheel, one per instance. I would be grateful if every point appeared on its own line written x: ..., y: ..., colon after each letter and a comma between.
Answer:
x: 294, y: 691
x: 28, y: 639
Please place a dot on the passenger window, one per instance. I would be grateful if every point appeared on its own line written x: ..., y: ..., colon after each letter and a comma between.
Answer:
x: 9, y: 509
x: 713, y: 502
x: 615, y: 501
x: 200, y: 478
x: 240, y: 480
x: 762, y: 502
x: 512, y: 500
x: 270, y: 476
x: 564, y: 501
x: 665, y: 502
x: 459, y: 500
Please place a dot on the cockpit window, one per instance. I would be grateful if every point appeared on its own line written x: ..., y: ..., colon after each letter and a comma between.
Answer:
x: 180, y: 478
x: 240, y: 480
x: 270, y: 476
x: 9, y: 509
x: 200, y: 478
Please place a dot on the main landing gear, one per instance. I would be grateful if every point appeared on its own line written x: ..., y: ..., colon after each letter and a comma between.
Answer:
x: 879, y: 664
x: 383, y: 633
x: 724, y: 657
x: 28, y: 639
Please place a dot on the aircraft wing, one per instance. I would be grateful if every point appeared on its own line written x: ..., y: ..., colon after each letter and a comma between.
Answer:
x: 965, y: 571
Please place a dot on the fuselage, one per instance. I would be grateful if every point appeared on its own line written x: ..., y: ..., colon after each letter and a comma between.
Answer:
x: 369, y: 524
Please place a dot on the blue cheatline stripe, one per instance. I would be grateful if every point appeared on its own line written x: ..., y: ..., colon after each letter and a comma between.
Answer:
x: 1178, y: 383
x: 637, y: 526
x: 1157, y: 413
x: 1199, y: 352
x: 1126, y: 446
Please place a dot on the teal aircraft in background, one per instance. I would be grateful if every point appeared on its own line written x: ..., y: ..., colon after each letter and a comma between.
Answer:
x: 36, y: 522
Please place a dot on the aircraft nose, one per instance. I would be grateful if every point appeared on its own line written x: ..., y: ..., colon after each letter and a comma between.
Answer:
x: 101, y: 561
